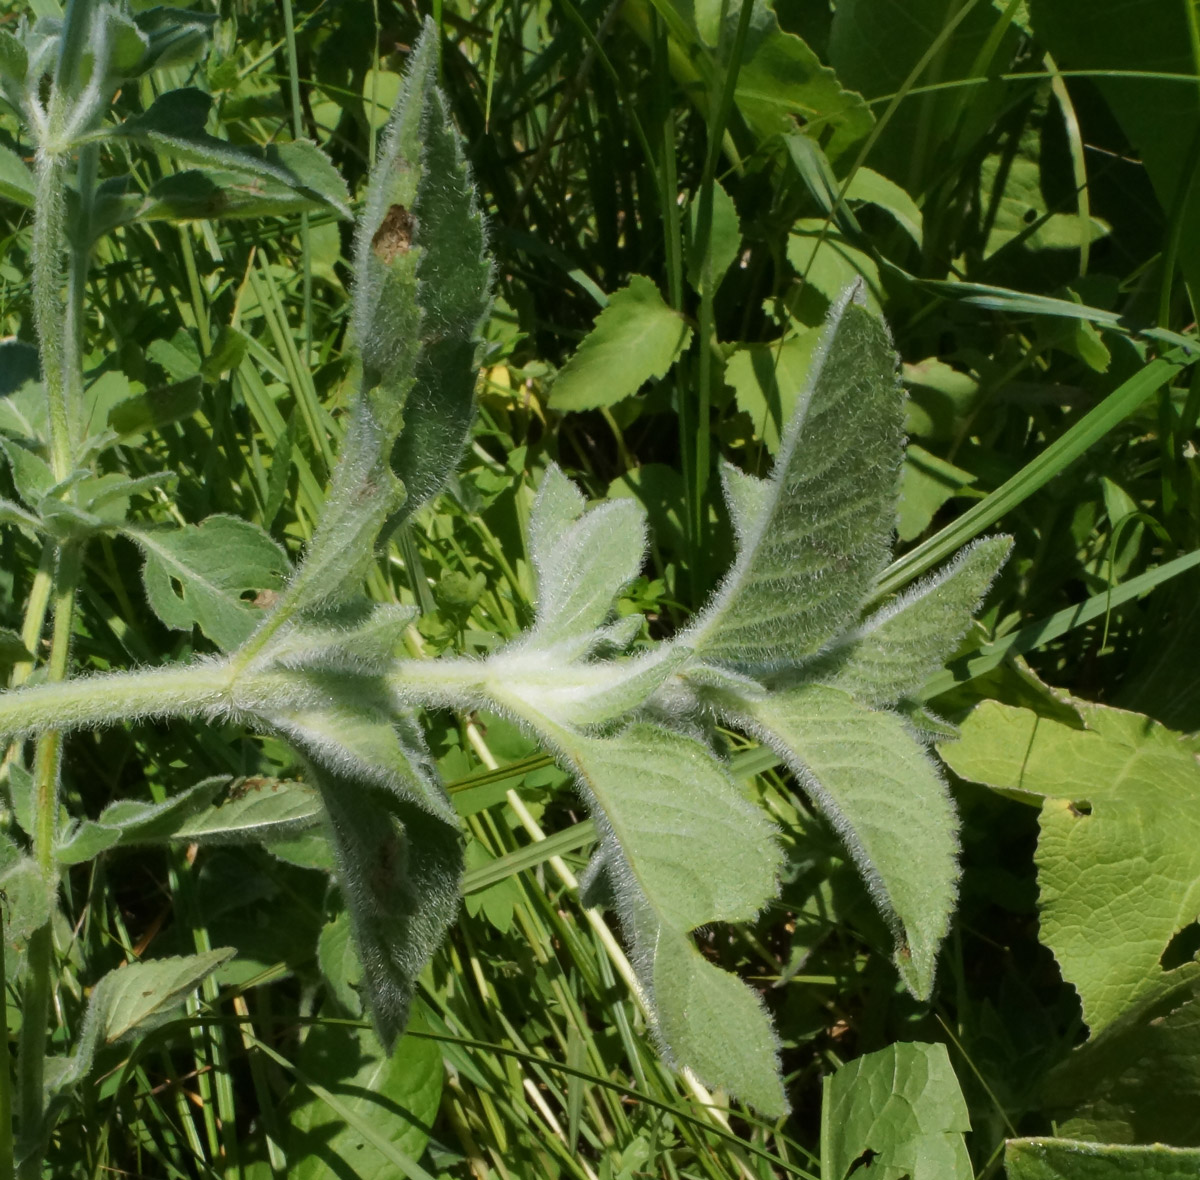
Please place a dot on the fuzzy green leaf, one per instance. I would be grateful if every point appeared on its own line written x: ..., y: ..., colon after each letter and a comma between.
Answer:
x: 131, y: 998
x: 358, y: 738
x: 200, y: 574
x: 882, y: 794
x: 175, y: 123
x: 399, y: 869
x: 892, y: 654
x: 129, y: 821
x: 636, y: 338
x: 1073, y: 1159
x: 255, y: 809
x: 902, y: 1104
x: 1119, y: 853
x: 825, y: 532
x: 583, y: 560
x: 680, y: 847
x: 422, y: 280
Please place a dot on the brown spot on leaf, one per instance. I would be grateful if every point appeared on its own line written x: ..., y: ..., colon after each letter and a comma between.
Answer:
x: 394, y: 235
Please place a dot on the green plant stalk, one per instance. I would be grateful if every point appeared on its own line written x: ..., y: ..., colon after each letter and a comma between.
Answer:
x: 6, y: 1138
x: 35, y: 1007
x: 48, y: 229
x: 716, y: 134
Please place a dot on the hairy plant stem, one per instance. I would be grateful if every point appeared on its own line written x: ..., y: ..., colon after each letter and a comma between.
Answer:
x: 48, y: 230
x: 35, y: 1007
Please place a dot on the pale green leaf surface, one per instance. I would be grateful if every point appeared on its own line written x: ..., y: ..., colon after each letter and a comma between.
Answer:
x: 782, y: 82
x: 358, y: 740
x: 895, y: 651
x: 1138, y: 1081
x: 16, y: 181
x: 422, y: 282
x: 725, y: 238
x: 358, y: 638
x: 583, y: 559
x: 714, y: 1023
x: 926, y: 483
x: 825, y: 535
x: 135, y: 997
x: 1068, y: 1159
x: 904, y: 1104
x: 882, y: 794
x: 636, y: 338
x: 340, y: 966
x: 175, y: 123
x: 872, y: 188
x: 31, y: 894
x: 129, y: 821
x: 684, y: 836
x: 198, y: 574
x: 397, y: 1093
x: 260, y: 809
x: 826, y: 261
x: 1119, y: 852
x: 767, y: 380
x: 747, y: 497
x: 680, y: 846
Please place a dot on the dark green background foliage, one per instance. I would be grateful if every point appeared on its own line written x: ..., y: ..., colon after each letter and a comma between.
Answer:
x: 674, y: 194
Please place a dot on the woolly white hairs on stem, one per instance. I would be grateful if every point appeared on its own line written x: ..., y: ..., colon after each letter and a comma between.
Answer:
x: 203, y: 688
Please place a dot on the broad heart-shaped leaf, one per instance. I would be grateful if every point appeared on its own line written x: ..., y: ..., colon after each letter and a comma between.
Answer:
x: 399, y: 869
x: 583, y: 560
x: 131, y: 998
x: 199, y: 574
x: 1073, y: 1159
x: 825, y: 532
x: 884, y: 797
x: 1119, y: 852
x: 681, y: 847
x: 637, y: 337
x: 895, y: 651
x: 174, y: 124
x: 1138, y: 1081
x: 902, y: 1104
x: 397, y: 1093
x: 422, y: 281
